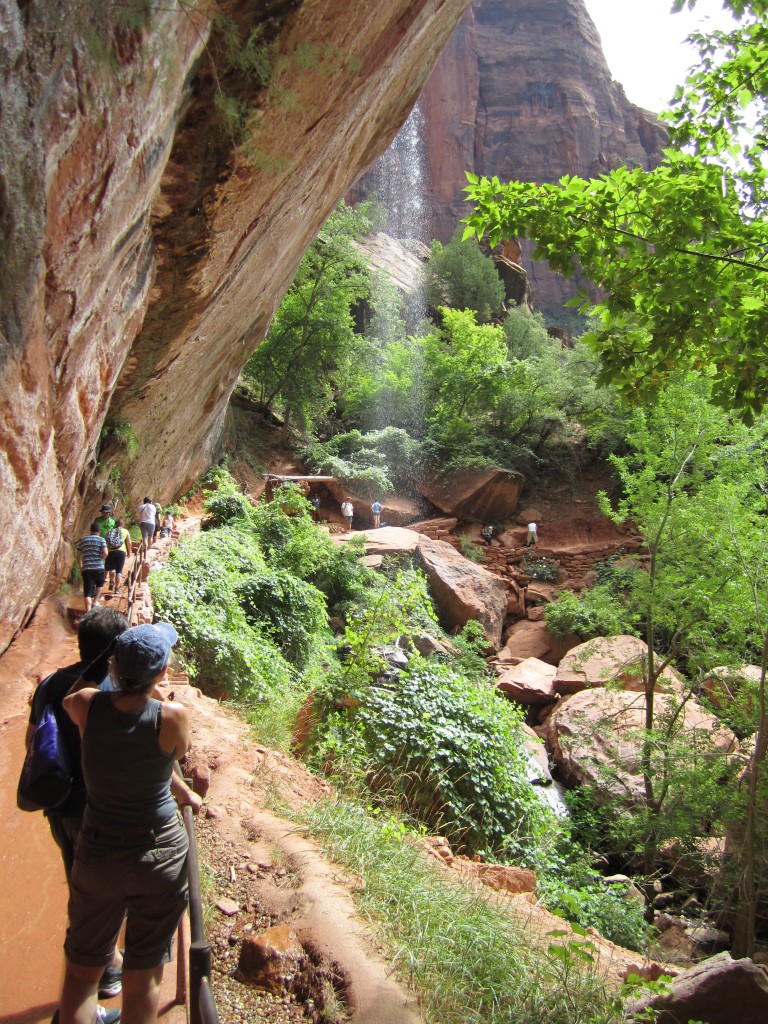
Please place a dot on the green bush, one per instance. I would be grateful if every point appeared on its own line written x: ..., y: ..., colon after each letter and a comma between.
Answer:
x: 450, y: 750
x: 284, y: 608
x: 197, y: 591
x: 597, y: 612
x: 224, y: 505
x: 541, y: 569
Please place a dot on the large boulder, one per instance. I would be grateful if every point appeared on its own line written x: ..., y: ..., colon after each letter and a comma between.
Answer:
x: 604, y: 660
x: 483, y: 495
x: 528, y: 683
x: 462, y: 589
x: 527, y: 639
x: 719, y: 991
x: 596, y: 738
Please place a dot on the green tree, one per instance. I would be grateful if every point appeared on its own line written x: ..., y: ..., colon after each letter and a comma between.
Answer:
x: 459, y: 275
x: 693, y: 486
x: 682, y: 250
x: 312, y: 336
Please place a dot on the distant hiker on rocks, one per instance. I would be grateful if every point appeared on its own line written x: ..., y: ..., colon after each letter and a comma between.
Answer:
x: 532, y: 537
x: 315, y: 503
x: 147, y: 521
x: 348, y: 511
x: 131, y: 855
x: 487, y: 534
x: 95, y: 635
x: 376, y: 509
x: 91, y: 552
x: 167, y: 528
x: 105, y: 520
x: 118, y: 549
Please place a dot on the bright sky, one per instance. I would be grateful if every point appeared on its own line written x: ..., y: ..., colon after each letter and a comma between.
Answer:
x: 643, y: 43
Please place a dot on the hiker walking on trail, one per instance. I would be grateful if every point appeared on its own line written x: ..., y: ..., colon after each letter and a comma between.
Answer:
x: 158, y: 518
x: 91, y: 552
x: 487, y: 534
x: 167, y: 528
x: 131, y: 856
x: 105, y: 520
x: 96, y: 633
x: 532, y: 537
x: 147, y: 521
x: 118, y: 549
x: 348, y: 511
x: 376, y: 508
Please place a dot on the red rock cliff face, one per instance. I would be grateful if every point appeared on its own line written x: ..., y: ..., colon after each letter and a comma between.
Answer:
x: 145, y: 248
x: 522, y: 91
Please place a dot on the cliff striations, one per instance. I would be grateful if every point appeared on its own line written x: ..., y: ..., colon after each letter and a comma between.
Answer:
x: 147, y: 240
x: 523, y: 91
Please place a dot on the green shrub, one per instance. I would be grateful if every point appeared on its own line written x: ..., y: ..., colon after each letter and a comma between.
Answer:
x: 284, y: 608
x: 197, y: 592
x: 541, y: 569
x: 452, y: 751
x: 225, y: 505
x: 597, y: 612
x: 469, y: 549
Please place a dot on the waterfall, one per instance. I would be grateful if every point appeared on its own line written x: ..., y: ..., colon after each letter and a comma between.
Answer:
x: 400, y: 180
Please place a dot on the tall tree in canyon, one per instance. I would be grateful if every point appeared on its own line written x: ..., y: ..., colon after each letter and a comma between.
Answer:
x: 681, y: 251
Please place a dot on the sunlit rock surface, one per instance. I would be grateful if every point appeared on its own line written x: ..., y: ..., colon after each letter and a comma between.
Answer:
x: 463, y: 590
x: 146, y: 248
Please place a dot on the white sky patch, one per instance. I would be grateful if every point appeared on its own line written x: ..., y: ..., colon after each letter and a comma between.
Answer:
x: 644, y: 44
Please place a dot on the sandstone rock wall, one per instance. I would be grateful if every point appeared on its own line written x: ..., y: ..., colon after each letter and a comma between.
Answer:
x: 145, y: 248
x: 523, y: 91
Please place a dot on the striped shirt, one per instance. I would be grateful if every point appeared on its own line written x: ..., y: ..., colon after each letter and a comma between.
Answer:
x: 92, y: 549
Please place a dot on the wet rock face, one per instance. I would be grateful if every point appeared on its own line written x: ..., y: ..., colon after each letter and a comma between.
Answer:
x: 523, y: 91
x: 146, y: 248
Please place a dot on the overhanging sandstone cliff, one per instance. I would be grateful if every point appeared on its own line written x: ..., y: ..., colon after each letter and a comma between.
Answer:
x: 146, y: 248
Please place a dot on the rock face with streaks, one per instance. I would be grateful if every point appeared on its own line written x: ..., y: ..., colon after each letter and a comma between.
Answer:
x: 147, y: 242
x: 523, y: 91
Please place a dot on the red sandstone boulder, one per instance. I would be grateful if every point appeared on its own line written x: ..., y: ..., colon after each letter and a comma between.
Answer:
x: 271, y: 960
x: 614, y: 659
x: 462, y: 589
x: 719, y: 991
x: 528, y: 639
x: 596, y: 738
x: 479, y: 495
x: 528, y: 683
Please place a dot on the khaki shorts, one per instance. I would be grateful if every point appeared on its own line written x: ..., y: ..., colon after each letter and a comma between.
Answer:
x: 137, y: 875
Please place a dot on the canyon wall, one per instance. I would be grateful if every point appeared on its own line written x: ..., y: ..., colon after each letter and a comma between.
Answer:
x: 147, y: 240
x: 522, y: 91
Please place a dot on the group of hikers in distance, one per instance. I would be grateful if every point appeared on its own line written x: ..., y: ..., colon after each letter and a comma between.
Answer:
x: 102, y: 553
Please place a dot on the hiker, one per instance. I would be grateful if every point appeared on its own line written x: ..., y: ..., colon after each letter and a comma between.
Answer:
x: 105, y: 520
x: 315, y: 503
x: 487, y: 534
x: 532, y: 537
x: 118, y: 548
x: 95, y: 634
x: 147, y: 521
x: 131, y: 855
x: 348, y: 511
x: 376, y: 509
x: 158, y: 519
x: 91, y: 552
x: 167, y: 528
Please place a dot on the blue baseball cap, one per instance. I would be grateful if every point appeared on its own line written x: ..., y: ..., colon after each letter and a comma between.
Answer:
x: 142, y: 653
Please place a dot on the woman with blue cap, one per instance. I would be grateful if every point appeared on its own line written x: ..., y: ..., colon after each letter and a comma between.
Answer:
x: 131, y: 856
